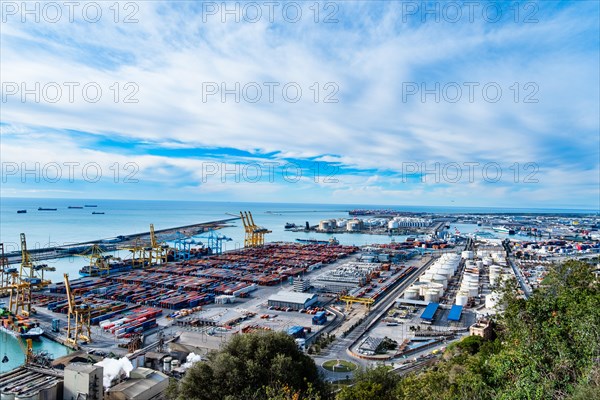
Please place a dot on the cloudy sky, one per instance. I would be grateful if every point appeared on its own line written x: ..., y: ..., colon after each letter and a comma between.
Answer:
x: 377, y: 102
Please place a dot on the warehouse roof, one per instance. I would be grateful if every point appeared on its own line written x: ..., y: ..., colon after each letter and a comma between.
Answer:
x: 292, y: 297
x: 430, y: 311
x: 134, y: 387
x: 455, y: 313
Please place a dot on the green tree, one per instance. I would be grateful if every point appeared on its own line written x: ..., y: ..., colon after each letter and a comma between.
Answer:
x: 249, y: 364
x: 371, y: 384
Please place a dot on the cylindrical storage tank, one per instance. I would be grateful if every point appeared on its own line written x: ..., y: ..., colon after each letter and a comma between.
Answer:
x: 174, y: 364
x: 426, y: 277
x: 441, y: 279
x: 432, y: 296
x: 324, y: 225
x: 491, y: 301
x: 446, y: 271
x: 479, y: 263
x: 467, y: 254
x: 411, y: 293
x: 393, y: 224
x: 461, y: 299
x: 487, y: 261
x: 167, y: 364
x: 473, y: 291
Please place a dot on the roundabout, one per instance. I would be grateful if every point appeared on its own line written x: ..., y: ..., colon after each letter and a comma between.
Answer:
x: 339, y: 366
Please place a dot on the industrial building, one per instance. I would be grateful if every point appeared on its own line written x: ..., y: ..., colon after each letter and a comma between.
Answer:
x: 345, y: 278
x: 301, y: 285
x: 293, y: 300
x: 83, y: 380
x: 143, y: 384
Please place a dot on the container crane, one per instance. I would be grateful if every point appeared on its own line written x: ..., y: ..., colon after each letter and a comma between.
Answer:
x: 158, y: 251
x: 8, y: 274
x: 139, y: 257
x: 255, y: 235
x: 215, y: 241
x: 183, y: 247
x: 81, y: 314
x: 97, y: 261
x: 28, y: 280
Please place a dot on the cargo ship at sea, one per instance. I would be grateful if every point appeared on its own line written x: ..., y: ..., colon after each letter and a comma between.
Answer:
x: 20, y: 327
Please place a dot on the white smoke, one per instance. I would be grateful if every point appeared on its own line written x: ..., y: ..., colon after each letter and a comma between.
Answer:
x: 113, y: 368
x: 191, y: 359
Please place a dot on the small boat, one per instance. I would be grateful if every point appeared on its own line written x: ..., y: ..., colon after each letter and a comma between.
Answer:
x: 74, y: 207
x: 24, y: 328
x: 90, y: 205
x: 21, y: 211
x: 289, y: 225
x: 46, y: 209
x: 96, y: 212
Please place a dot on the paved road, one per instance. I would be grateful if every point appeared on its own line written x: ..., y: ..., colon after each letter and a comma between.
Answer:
x: 520, y: 278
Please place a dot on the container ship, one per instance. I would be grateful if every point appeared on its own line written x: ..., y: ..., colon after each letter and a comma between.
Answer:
x: 16, y: 326
x: 115, y: 265
x: 332, y: 241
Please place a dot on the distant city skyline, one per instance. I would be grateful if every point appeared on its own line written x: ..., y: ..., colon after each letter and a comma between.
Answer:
x: 342, y: 103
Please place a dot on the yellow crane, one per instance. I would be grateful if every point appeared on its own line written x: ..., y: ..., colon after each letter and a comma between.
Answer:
x: 97, y: 261
x: 80, y: 315
x: 158, y: 251
x: 351, y: 300
x: 30, y: 278
x: 8, y: 274
x: 255, y: 235
x: 139, y: 256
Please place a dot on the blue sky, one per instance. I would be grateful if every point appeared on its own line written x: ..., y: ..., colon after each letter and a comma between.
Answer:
x: 384, y: 115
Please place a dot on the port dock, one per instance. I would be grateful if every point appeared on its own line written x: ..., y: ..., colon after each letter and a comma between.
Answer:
x: 112, y: 244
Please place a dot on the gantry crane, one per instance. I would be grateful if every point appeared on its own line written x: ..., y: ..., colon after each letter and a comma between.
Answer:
x: 255, y: 235
x: 158, y: 251
x: 215, y: 241
x: 98, y: 264
x: 139, y: 255
x: 80, y: 315
x: 350, y: 300
x: 8, y: 274
x: 30, y: 278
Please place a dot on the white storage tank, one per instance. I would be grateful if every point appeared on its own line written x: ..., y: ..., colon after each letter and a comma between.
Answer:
x: 432, y: 296
x: 174, y: 364
x: 167, y: 364
x: 325, y: 225
x: 462, y: 298
x: 491, y: 301
x: 467, y: 254
x: 441, y: 279
x: 353, y: 225
x: 473, y: 290
x: 446, y: 271
x: 411, y: 293
x: 393, y: 224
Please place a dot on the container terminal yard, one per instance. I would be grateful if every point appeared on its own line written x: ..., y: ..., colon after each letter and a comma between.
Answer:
x: 388, y: 303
